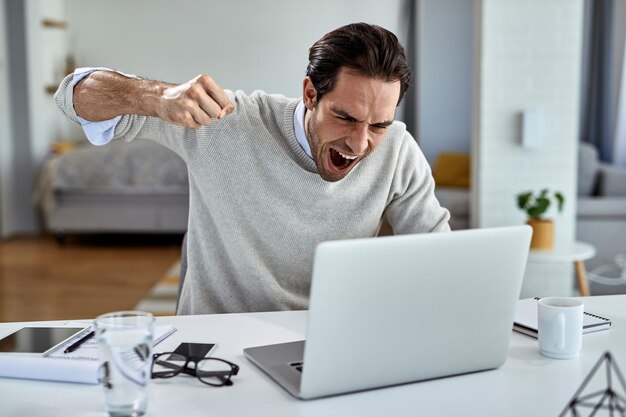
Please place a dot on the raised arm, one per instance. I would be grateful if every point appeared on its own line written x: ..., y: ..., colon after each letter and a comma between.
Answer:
x: 103, y: 95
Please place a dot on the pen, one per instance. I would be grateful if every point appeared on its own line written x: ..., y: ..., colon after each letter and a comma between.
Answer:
x: 76, y: 345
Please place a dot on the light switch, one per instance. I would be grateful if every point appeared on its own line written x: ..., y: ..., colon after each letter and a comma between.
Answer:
x: 531, y: 128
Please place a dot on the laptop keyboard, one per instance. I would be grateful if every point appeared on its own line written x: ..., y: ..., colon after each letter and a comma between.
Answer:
x: 297, y: 366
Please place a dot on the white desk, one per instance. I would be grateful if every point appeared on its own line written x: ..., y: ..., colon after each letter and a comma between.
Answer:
x: 526, y: 385
x: 578, y: 252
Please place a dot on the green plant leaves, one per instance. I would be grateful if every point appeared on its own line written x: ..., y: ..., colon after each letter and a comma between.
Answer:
x: 523, y: 200
x: 560, y: 201
x: 538, y: 208
x: 536, y: 205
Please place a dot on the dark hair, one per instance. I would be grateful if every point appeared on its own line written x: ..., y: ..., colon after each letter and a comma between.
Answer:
x: 370, y: 50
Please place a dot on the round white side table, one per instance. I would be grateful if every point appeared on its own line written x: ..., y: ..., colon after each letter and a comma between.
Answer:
x: 577, y: 252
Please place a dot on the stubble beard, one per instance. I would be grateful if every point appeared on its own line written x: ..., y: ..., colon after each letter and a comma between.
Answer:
x: 316, y: 149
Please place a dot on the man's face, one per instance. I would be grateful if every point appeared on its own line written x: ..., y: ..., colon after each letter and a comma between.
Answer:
x: 349, y: 122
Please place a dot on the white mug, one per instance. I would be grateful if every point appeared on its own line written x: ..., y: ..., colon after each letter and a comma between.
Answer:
x: 560, y: 327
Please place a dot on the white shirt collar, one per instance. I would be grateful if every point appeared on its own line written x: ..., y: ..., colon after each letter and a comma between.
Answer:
x: 298, y: 127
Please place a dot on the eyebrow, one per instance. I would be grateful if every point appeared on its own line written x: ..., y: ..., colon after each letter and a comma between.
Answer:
x: 346, y: 115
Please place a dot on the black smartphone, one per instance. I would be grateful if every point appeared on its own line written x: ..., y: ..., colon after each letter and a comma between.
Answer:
x: 197, y: 350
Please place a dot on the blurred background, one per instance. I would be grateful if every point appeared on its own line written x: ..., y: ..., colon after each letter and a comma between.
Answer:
x: 508, y: 96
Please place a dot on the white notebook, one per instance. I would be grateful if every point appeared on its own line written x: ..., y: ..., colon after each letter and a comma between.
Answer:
x: 89, y: 349
x: 526, y: 319
x: 81, y: 365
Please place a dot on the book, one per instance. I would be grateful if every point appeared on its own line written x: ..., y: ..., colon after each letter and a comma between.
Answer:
x: 527, y: 320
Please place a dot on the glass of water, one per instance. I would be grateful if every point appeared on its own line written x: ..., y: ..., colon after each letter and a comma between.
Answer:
x: 125, y: 357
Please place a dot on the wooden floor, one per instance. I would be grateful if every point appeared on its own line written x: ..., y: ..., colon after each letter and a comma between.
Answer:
x: 87, y: 276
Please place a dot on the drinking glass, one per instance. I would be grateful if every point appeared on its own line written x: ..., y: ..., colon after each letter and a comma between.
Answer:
x: 125, y: 357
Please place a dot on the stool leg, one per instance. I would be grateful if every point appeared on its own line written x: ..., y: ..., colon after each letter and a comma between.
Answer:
x: 581, y: 278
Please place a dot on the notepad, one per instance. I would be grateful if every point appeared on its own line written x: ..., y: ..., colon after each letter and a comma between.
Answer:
x: 89, y: 349
x: 526, y: 319
x: 81, y: 366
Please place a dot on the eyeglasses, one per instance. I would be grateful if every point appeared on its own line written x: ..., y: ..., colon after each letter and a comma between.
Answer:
x: 211, y: 371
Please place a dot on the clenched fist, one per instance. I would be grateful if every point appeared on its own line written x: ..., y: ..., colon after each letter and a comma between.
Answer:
x: 194, y: 103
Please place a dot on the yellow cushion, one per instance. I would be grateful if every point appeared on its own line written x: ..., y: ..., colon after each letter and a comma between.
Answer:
x: 452, y: 170
x: 60, y: 147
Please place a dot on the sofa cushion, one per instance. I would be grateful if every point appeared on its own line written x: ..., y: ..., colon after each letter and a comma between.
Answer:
x: 601, y: 208
x: 611, y: 181
x: 587, y: 169
x: 139, y: 163
x: 456, y: 200
x: 452, y: 170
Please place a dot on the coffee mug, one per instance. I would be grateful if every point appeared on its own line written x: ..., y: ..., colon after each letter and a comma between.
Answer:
x: 560, y: 327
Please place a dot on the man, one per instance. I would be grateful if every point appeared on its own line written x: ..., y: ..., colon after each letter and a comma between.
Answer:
x: 271, y: 177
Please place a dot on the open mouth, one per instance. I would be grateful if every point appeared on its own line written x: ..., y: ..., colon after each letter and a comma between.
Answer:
x: 341, y: 161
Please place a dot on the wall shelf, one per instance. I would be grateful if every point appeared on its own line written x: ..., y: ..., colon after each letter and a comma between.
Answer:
x: 53, y: 23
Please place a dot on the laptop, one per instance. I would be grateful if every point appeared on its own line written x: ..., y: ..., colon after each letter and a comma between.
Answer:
x: 394, y: 310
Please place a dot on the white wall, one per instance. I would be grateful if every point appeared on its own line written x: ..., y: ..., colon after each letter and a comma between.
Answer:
x: 244, y: 45
x: 34, y: 120
x: 619, y: 156
x: 618, y: 70
x: 619, y: 81
x: 445, y: 73
x: 529, y: 54
x: 5, y: 127
x: 18, y: 170
x: 46, y: 54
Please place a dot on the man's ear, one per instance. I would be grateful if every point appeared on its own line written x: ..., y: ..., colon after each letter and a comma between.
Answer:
x: 309, y: 93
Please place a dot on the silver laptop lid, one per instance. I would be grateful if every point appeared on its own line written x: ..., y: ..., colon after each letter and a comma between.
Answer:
x: 386, y: 311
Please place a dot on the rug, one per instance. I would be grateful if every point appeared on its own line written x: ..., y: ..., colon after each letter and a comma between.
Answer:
x: 161, y: 300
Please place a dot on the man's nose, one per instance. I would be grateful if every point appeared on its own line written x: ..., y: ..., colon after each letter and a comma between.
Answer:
x: 358, y: 141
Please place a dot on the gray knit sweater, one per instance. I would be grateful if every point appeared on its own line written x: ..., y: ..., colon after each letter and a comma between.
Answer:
x: 258, y: 207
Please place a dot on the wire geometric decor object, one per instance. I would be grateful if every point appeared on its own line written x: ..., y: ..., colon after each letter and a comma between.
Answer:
x: 605, y: 399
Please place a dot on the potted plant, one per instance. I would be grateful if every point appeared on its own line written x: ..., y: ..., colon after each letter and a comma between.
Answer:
x: 536, y: 205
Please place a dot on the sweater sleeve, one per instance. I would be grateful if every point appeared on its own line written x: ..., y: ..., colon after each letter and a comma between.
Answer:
x: 413, y: 207
x: 64, y: 97
x: 185, y: 142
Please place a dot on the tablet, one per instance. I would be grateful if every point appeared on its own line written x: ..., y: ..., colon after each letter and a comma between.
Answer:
x: 38, y: 339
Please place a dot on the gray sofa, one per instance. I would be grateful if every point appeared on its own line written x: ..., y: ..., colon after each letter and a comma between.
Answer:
x: 601, y: 207
x: 601, y: 215
x: 136, y: 187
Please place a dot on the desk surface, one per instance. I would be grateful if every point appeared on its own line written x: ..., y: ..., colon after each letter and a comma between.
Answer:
x: 527, y: 384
